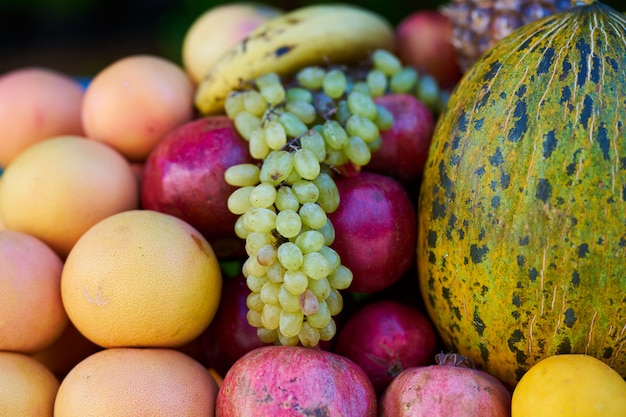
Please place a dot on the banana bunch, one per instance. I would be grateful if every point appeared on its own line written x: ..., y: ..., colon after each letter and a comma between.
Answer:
x: 312, y: 35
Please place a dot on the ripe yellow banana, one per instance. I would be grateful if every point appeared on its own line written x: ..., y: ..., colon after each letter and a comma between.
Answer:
x: 312, y: 35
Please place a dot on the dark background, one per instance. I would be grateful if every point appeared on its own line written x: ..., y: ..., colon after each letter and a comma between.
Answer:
x: 80, y: 37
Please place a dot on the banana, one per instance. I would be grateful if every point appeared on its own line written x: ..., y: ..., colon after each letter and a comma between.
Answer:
x: 311, y: 35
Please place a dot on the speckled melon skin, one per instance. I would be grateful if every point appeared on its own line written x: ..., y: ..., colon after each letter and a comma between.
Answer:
x: 522, y: 213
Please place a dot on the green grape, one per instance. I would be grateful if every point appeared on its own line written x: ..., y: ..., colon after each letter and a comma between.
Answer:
x: 319, y: 287
x: 252, y: 267
x: 254, y: 102
x: 275, y: 271
x: 334, y: 83
x: 342, y: 113
x: 328, y: 193
x: 254, y: 318
x: 288, y: 223
x: 271, y: 89
x: 267, y: 256
x: 386, y: 62
x: 309, y: 303
x: 286, y: 199
x: 321, y: 318
x: 290, y: 256
x: 296, y: 282
x: 288, y: 341
x: 240, y: 228
x: 328, y: 231
x: 242, y: 175
x: 428, y: 91
x: 233, y: 104
x: 257, y: 146
x: 309, y: 241
x: 306, y: 191
x: 270, y: 316
x: 256, y: 240
x: 263, y: 195
x: 334, y: 301
x: 361, y: 87
x: 384, y: 118
x: 290, y: 322
x: 288, y: 301
x: 357, y: 151
x: 363, y: 127
x: 305, y: 111
x: 246, y: 122
x: 276, y: 167
x: 255, y: 283
x: 292, y: 124
x: 267, y: 79
x: 253, y: 301
x: 260, y: 220
x: 332, y: 257
x: 293, y: 177
x: 377, y: 82
x: 403, y: 81
x: 315, y: 265
x: 314, y: 142
x: 299, y: 94
x: 341, y: 278
x: 311, y: 77
x: 335, y: 158
x: 312, y: 215
x: 359, y: 103
x: 275, y: 134
x: 334, y: 134
x: 267, y: 335
x: 306, y: 164
x: 376, y: 144
x: 328, y: 331
x: 269, y: 292
x: 238, y: 201
x: 309, y: 336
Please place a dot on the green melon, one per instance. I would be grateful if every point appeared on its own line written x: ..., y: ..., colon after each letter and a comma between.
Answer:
x: 522, y: 209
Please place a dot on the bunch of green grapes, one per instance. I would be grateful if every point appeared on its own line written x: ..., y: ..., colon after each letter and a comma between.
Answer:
x: 302, y: 131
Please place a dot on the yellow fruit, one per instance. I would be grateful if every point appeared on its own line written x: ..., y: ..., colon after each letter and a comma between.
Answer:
x: 570, y: 385
x: 137, y: 382
x: 32, y: 316
x: 217, y: 30
x: 141, y: 278
x: 27, y: 388
x: 57, y: 189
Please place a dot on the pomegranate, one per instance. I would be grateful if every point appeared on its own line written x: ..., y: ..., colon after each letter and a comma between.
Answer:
x: 288, y: 381
x: 184, y: 176
x: 449, y: 388
x: 386, y: 337
x: 375, y: 230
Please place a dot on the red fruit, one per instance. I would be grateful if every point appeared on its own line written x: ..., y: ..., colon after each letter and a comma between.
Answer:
x: 424, y: 41
x: 385, y: 338
x: 405, y: 146
x: 287, y: 381
x: 184, y: 176
x: 375, y: 230
x: 443, y: 390
x: 230, y: 336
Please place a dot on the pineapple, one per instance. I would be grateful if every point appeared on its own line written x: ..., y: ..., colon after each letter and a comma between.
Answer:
x: 480, y: 24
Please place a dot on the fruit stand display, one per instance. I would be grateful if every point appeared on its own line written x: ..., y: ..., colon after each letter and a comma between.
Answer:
x: 325, y: 210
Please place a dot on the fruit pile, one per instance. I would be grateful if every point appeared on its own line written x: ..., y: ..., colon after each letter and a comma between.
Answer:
x: 300, y: 217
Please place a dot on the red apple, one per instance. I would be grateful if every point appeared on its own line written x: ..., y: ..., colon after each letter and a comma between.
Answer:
x: 184, y: 176
x: 286, y: 381
x: 449, y: 388
x: 424, y: 41
x: 386, y: 337
x: 405, y: 146
x: 375, y: 230
x: 229, y: 336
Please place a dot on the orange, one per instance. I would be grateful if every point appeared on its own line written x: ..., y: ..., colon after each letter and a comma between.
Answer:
x: 31, y: 312
x: 57, y: 189
x: 137, y: 382
x: 27, y: 388
x: 141, y: 278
